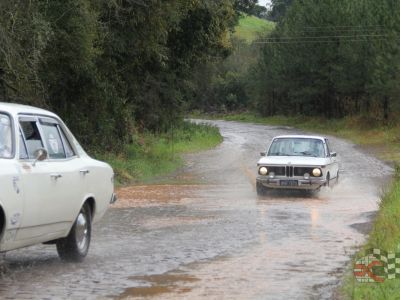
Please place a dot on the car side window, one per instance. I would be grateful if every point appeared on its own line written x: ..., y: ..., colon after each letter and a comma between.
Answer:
x: 53, y: 141
x: 6, y: 144
x: 56, y: 141
x: 67, y: 146
x: 33, y: 140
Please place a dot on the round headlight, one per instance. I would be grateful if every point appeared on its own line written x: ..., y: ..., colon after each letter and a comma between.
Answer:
x: 263, y: 171
x: 317, y: 172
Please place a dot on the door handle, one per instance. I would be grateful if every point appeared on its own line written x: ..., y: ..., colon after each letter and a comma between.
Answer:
x: 84, y: 172
x: 55, y: 176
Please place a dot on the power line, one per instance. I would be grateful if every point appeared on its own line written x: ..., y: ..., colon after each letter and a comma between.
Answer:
x: 349, y: 26
x: 324, y: 37
x: 341, y: 30
x: 318, y: 41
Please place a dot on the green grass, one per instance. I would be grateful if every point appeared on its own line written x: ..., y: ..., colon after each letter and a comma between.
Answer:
x: 384, y: 141
x: 385, y: 235
x: 250, y: 28
x: 152, y: 156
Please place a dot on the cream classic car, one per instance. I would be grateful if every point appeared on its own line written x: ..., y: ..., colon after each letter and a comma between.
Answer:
x: 51, y: 190
x: 297, y: 162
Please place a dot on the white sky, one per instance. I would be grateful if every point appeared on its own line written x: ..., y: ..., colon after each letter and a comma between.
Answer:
x: 264, y: 2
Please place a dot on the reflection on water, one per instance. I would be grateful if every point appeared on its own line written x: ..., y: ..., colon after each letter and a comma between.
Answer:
x: 314, y: 217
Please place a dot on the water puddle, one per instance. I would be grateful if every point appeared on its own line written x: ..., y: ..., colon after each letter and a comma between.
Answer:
x: 158, y: 285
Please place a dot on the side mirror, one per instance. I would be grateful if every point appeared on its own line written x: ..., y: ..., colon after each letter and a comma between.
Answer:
x: 333, y: 154
x: 40, y: 155
x: 263, y: 153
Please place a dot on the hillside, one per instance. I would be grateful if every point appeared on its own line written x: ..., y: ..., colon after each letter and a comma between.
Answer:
x: 250, y: 27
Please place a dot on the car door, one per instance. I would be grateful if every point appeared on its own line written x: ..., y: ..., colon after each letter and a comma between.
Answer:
x: 50, y: 186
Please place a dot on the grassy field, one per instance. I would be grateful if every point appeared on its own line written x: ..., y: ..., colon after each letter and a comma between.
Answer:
x: 384, y: 142
x: 251, y: 27
x: 151, y: 156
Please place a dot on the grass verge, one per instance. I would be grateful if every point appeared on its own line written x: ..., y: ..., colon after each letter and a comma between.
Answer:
x: 383, y: 141
x: 251, y: 27
x: 385, y: 235
x: 156, y: 155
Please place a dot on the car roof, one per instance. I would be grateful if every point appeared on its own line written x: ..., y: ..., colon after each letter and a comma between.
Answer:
x: 299, y: 136
x: 16, y: 109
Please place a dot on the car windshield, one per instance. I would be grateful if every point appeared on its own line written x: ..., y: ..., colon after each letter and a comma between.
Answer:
x: 297, y: 147
x: 5, y: 137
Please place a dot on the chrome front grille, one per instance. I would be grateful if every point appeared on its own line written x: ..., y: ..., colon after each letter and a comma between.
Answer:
x: 289, y: 171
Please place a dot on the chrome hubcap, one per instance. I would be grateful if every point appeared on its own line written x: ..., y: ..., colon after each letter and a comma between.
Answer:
x: 81, y: 231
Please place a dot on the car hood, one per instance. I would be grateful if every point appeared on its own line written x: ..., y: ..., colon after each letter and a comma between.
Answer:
x: 293, y: 160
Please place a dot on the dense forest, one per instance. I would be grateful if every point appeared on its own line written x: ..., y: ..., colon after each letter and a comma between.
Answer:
x: 110, y: 68
x: 331, y: 58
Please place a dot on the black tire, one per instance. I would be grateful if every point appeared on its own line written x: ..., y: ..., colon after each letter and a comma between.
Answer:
x: 261, y: 189
x: 75, y: 246
x: 328, y: 179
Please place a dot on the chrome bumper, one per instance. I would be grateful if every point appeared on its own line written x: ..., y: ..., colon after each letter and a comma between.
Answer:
x: 304, y: 184
x: 113, y: 198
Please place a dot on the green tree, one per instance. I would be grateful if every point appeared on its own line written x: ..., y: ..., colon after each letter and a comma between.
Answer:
x: 279, y: 9
x: 331, y: 58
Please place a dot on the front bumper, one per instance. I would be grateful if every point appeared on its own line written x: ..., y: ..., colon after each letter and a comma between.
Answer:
x: 303, y: 184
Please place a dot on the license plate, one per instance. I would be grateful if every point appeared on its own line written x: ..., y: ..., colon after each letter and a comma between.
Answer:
x: 289, y: 182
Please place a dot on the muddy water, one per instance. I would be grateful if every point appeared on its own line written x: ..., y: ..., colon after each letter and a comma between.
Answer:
x: 214, y: 239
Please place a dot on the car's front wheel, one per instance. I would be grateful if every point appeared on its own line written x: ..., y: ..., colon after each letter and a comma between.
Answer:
x: 261, y: 189
x: 328, y: 180
x: 75, y: 246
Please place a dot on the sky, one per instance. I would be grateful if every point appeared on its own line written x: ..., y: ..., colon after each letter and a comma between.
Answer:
x: 264, y: 2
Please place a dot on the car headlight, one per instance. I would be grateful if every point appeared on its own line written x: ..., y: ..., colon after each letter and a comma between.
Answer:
x: 317, y: 172
x: 263, y: 171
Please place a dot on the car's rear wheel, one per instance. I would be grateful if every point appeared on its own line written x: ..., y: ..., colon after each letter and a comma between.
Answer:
x: 261, y: 189
x: 75, y: 246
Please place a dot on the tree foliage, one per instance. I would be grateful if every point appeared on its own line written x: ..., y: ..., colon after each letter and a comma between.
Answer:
x: 110, y: 67
x: 331, y: 58
x: 279, y: 9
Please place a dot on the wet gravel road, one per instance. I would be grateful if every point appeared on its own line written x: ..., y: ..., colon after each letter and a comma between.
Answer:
x: 210, y: 236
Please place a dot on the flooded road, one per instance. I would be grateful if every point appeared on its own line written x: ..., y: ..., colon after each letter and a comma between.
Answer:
x: 210, y: 236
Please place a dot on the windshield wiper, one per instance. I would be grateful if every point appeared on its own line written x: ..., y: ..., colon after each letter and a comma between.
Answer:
x: 279, y: 154
x: 307, y: 153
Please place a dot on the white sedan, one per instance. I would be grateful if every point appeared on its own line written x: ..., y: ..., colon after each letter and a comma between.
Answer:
x: 51, y: 190
x: 297, y: 162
